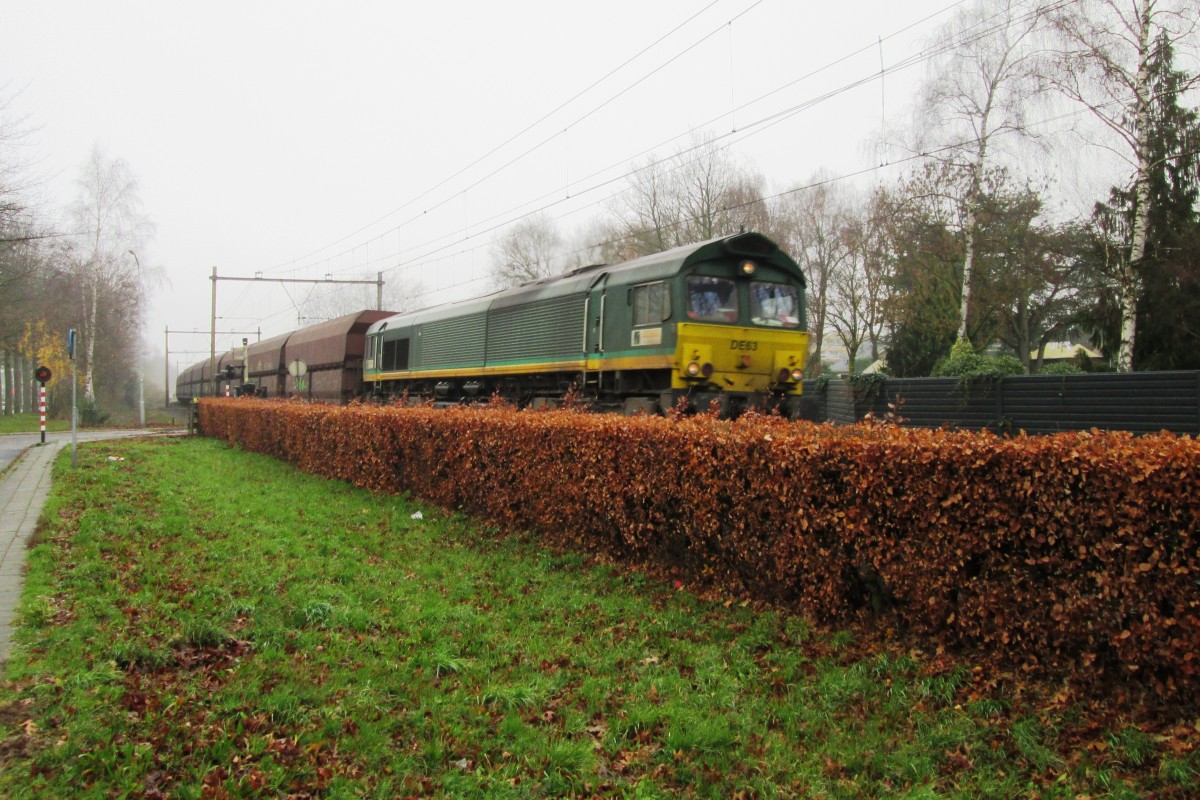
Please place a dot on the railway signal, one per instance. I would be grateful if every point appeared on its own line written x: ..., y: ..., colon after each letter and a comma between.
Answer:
x: 42, y: 374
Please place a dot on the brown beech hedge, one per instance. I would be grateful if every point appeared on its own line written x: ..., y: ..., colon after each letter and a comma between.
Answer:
x: 1074, y: 553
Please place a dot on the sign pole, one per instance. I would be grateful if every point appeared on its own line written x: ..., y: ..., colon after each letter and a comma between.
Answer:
x: 74, y: 418
x: 74, y: 400
x: 212, y: 342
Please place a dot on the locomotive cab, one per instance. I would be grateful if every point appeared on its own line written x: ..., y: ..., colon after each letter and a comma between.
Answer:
x: 743, y: 342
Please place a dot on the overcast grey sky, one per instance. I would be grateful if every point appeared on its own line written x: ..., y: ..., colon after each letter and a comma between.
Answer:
x: 305, y: 139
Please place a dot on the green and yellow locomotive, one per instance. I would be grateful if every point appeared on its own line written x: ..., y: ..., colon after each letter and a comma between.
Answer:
x: 723, y: 321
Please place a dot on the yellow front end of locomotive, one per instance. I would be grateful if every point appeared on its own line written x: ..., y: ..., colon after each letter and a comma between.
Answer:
x: 739, y: 359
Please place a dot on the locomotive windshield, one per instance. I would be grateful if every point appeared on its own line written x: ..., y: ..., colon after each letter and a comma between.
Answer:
x: 774, y: 304
x: 712, y: 299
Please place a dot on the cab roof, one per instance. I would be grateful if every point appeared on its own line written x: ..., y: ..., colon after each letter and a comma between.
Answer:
x: 635, y: 271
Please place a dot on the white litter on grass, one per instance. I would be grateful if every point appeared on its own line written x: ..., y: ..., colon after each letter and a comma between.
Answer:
x: 115, y: 458
x: 417, y: 515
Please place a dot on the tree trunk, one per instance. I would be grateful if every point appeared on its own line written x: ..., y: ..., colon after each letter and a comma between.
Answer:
x: 971, y: 224
x: 1130, y: 273
x: 816, y: 339
x: 968, y: 268
x: 1020, y: 331
x: 22, y: 383
x: 89, y: 390
x: 852, y: 353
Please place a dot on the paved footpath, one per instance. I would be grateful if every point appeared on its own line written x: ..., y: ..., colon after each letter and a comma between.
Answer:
x: 23, y: 491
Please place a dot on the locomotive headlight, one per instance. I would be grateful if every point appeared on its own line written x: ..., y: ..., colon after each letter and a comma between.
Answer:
x: 748, y: 267
x: 786, y: 374
x: 707, y: 370
x: 693, y: 369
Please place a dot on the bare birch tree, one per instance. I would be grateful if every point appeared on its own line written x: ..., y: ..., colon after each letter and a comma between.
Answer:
x: 810, y: 224
x: 108, y: 223
x: 527, y: 251
x: 1105, y: 66
x: 18, y: 178
x: 647, y: 213
x: 20, y: 260
x: 858, y: 286
x: 976, y: 95
x: 699, y: 193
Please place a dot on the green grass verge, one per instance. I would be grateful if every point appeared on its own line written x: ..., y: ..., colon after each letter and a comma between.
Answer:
x: 173, y: 417
x: 29, y: 423
x: 201, y: 622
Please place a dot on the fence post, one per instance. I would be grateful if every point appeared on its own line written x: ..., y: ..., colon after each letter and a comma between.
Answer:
x: 1000, y: 401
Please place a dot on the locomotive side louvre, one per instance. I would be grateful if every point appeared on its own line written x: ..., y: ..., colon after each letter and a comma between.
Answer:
x: 546, y: 330
x: 454, y: 343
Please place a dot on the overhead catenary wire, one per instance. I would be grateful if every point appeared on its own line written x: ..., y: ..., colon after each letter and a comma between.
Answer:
x: 545, y: 141
x: 519, y: 133
x: 926, y: 55
x: 760, y: 124
x: 442, y: 253
x: 424, y: 212
x: 784, y: 113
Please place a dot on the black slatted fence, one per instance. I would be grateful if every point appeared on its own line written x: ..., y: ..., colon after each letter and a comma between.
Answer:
x: 1142, y: 402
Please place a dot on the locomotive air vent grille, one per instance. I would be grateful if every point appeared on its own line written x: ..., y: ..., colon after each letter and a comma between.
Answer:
x: 543, y: 330
x: 453, y: 342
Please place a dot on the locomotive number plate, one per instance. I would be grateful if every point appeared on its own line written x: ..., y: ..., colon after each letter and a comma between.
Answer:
x: 743, y: 344
x: 647, y: 336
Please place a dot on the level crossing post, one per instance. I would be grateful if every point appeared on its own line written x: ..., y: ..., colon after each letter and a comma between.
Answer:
x: 41, y: 375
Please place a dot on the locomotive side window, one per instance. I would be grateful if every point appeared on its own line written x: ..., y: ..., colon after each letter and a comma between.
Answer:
x: 774, y: 304
x: 712, y: 299
x: 651, y: 303
x: 395, y: 354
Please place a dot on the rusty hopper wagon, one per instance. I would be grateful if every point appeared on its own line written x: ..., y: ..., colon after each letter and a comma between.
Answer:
x: 331, y: 352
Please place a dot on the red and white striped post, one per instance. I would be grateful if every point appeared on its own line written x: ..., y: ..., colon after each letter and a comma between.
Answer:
x: 42, y: 374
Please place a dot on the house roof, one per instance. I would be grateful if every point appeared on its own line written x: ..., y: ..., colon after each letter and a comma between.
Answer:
x: 1062, y: 351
